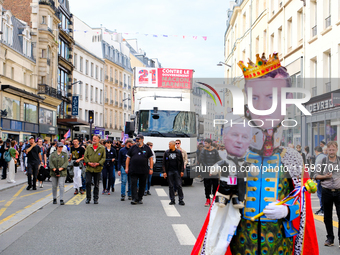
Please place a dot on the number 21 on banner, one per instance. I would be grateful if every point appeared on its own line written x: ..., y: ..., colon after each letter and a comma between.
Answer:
x: 144, y: 76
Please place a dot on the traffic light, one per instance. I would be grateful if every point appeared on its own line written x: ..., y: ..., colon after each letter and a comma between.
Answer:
x: 91, y: 113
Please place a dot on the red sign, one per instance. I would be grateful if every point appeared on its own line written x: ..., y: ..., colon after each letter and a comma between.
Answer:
x: 174, y: 78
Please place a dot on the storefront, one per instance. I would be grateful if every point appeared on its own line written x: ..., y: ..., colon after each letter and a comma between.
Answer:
x: 82, y: 132
x: 47, y: 124
x: 324, y: 123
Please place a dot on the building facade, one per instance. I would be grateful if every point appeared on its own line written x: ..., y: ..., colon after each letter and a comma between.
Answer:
x: 33, y: 36
x: 88, y: 81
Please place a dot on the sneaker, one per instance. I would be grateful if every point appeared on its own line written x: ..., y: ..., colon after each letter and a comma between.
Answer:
x: 95, y: 202
x: 34, y: 188
x: 329, y: 242
x: 28, y: 187
x: 76, y: 192
x: 133, y: 202
x: 87, y: 201
x: 207, y: 203
x: 181, y: 202
x: 172, y: 202
x: 81, y: 191
x: 130, y: 197
x: 148, y: 192
x: 109, y: 192
x: 122, y: 198
x: 54, y: 201
x: 62, y: 202
x: 103, y: 192
x: 145, y: 193
x: 318, y: 211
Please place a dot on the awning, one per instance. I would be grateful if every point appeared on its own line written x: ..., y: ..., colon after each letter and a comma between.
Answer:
x: 22, y: 93
x: 71, y: 122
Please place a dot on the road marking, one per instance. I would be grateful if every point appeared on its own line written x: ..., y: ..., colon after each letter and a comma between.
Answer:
x: 11, y: 200
x: 2, y: 201
x: 161, y: 192
x: 35, y: 193
x: 170, y: 210
x: 76, y: 200
x: 184, y: 234
x: 320, y: 218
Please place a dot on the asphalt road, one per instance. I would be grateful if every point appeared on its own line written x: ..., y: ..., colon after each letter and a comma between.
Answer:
x: 31, y: 224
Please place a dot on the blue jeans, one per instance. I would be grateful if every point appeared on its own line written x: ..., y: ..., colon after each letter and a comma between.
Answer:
x: 319, y: 193
x: 148, y: 182
x: 125, y: 178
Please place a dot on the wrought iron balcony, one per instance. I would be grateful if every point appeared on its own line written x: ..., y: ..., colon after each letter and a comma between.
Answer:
x: 44, y: 89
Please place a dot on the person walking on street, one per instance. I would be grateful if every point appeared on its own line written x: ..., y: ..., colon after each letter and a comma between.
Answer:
x: 137, y: 164
x: 117, y: 147
x: 11, y: 164
x: 58, y: 172
x: 77, y: 157
x: 208, y: 157
x: 5, y: 147
x: 94, y: 158
x: 173, y: 170
x: 222, y: 152
x: 148, y: 179
x: 185, y: 159
x: 317, y: 169
x: 34, y: 160
x: 108, y: 168
x: 121, y: 170
x: 41, y: 172
x: 330, y: 182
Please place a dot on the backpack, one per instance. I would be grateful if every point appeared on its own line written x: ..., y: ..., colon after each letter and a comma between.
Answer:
x: 7, y: 156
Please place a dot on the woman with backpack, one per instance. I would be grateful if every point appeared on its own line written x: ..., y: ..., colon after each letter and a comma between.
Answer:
x: 11, y: 162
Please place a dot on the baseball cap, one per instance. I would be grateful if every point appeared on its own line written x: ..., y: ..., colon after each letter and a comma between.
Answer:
x: 60, y: 144
x: 31, y: 137
x: 140, y: 137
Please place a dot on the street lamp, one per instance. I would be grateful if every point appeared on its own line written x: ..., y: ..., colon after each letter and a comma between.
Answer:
x: 222, y: 63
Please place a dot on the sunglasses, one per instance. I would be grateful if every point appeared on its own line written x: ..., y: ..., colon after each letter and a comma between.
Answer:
x: 177, y: 143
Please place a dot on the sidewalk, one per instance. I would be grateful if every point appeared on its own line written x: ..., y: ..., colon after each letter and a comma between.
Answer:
x: 20, y: 178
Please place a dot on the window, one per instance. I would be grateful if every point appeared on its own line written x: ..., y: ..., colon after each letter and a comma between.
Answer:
x: 80, y: 91
x: 101, y: 96
x: 81, y: 64
x: 101, y: 74
x: 31, y: 114
x: 64, y: 49
x: 43, y: 53
x: 110, y: 72
x: 26, y: 43
x: 91, y: 69
x: 289, y: 34
x: 62, y: 81
x: 97, y: 72
x: 327, y: 12
x: 299, y: 26
x: 74, y: 87
x: 86, y: 92
x: 13, y: 108
x: 111, y: 94
x: 313, y: 17
x: 96, y: 95
x: 47, y: 117
x: 279, y: 39
x: 111, y: 118
x: 4, y: 69
x: 272, y: 47
x: 87, y: 67
x: 43, y: 20
x: 86, y: 115
x: 12, y: 73
x: 91, y: 93
x: 7, y: 29
x: 75, y: 60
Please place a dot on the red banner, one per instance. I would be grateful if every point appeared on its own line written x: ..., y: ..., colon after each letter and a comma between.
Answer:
x: 174, y: 78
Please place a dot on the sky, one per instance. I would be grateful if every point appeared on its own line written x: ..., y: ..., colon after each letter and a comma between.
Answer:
x: 166, y: 17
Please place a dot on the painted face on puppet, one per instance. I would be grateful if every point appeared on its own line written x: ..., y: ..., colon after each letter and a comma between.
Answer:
x: 262, y: 98
x: 237, y: 140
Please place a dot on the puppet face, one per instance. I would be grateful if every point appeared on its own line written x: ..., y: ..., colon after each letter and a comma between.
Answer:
x: 262, y: 99
x: 237, y: 140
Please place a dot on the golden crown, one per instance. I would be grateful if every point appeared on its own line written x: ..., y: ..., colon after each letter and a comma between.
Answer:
x: 262, y: 66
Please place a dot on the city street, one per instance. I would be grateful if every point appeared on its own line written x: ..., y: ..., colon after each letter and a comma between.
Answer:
x: 31, y: 224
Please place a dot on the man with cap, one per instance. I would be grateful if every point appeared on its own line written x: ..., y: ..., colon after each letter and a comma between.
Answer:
x: 137, y: 164
x: 94, y: 158
x: 121, y: 170
x: 34, y: 159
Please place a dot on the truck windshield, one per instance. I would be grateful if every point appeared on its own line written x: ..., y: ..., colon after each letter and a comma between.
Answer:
x: 169, y: 123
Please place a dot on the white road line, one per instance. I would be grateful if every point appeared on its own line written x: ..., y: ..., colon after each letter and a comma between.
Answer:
x: 170, y: 210
x: 161, y: 193
x: 184, y: 234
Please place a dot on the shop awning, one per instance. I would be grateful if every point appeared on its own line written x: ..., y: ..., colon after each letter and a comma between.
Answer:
x: 22, y: 93
x: 71, y: 122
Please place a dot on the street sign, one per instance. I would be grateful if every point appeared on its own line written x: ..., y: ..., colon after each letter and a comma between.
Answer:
x: 75, y: 105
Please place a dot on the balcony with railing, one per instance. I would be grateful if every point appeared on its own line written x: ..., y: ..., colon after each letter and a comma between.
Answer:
x: 328, y: 21
x: 328, y: 87
x: 111, y: 79
x: 44, y: 89
x: 116, y: 103
x: 106, y: 100
x: 314, y: 31
x: 117, y: 82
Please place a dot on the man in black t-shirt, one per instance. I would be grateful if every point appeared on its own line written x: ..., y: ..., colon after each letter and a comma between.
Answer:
x: 137, y: 165
x: 173, y: 169
x: 34, y: 159
x: 77, y: 155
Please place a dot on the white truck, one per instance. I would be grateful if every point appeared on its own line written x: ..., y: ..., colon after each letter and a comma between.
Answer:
x: 167, y: 114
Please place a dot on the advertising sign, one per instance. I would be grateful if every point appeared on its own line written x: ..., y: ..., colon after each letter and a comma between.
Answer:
x: 163, y: 78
